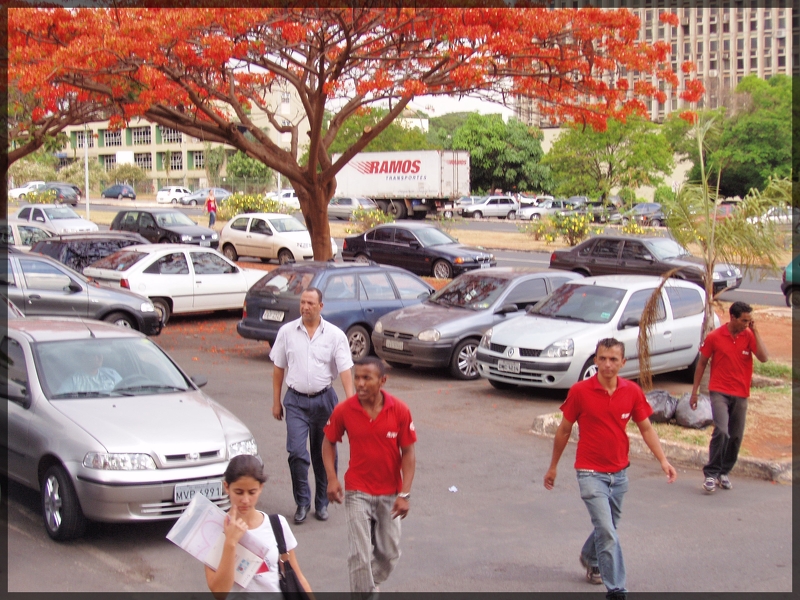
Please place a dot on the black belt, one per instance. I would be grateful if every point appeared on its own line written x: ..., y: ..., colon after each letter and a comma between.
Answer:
x: 314, y: 395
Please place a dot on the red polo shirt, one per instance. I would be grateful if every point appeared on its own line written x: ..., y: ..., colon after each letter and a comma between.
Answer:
x: 603, y: 443
x: 374, y: 445
x: 731, y: 361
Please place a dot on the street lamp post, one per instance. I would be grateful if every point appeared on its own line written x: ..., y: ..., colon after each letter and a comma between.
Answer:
x: 86, y: 167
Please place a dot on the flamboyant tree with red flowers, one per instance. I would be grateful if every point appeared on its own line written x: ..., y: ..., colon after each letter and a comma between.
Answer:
x: 208, y: 72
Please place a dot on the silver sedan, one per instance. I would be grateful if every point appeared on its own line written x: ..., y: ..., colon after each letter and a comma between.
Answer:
x: 108, y: 428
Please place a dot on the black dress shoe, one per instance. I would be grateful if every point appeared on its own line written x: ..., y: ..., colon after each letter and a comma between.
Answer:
x: 301, y: 513
x: 321, y: 514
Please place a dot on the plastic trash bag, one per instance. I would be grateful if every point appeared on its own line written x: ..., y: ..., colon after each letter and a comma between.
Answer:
x: 663, y: 404
x: 694, y: 419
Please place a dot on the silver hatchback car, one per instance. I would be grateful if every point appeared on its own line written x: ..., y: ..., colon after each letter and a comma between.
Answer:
x: 108, y: 427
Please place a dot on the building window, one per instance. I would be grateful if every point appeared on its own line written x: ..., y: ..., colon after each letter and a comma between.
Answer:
x: 753, y: 63
x: 687, y: 48
x: 140, y: 136
x: 699, y: 47
x: 740, y: 26
x: 714, y: 46
x: 199, y: 160
x: 781, y: 61
x: 740, y: 44
x: 171, y: 136
x: 740, y: 64
x: 712, y: 65
x: 79, y: 139
x: 176, y: 161
x: 726, y: 28
x: 286, y: 97
x: 712, y: 28
x: 726, y: 45
x: 753, y: 25
x: 767, y: 62
x: 699, y: 29
x: 109, y: 161
x: 144, y: 160
x: 113, y: 138
x: 767, y: 24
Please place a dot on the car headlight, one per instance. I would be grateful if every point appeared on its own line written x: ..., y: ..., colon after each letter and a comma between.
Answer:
x: 559, y: 349
x: 486, y: 340
x: 214, y: 236
x: 303, y: 245
x: 245, y: 447
x: 378, y: 327
x: 463, y: 259
x: 118, y: 462
x: 429, y: 335
x: 716, y: 276
x: 737, y: 271
x: 186, y: 238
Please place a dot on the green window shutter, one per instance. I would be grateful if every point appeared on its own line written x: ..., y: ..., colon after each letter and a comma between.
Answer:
x: 159, y: 160
x: 189, y: 159
x: 101, y: 161
x: 101, y: 138
x: 128, y: 137
x: 73, y: 138
x: 158, y: 134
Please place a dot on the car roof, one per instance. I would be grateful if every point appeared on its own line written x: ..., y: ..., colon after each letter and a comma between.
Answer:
x: 153, y: 210
x: 49, y: 329
x: 511, y: 272
x: 611, y: 236
x: 94, y: 235
x: 44, y: 205
x: 264, y: 215
x: 406, y: 225
x: 633, y: 282
x: 154, y: 248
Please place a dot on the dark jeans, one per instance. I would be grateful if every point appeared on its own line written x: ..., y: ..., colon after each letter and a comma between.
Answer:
x: 729, y: 414
x: 305, y: 420
x: 212, y: 218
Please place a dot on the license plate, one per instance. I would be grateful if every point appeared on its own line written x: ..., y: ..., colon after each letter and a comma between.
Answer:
x: 210, y: 489
x: 273, y: 315
x: 205, y: 243
x: 485, y: 265
x: 731, y: 283
x: 394, y: 344
x: 507, y: 366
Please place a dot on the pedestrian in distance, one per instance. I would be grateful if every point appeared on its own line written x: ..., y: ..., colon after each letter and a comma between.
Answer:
x: 211, y: 208
x: 378, y: 480
x: 602, y: 406
x: 243, y: 482
x: 309, y: 353
x: 730, y: 348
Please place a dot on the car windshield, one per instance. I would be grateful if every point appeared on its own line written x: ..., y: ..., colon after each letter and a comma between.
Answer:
x: 430, y: 236
x: 284, y: 282
x: 103, y: 367
x: 665, y: 248
x: 366, y: 202
x: 60, y: 212
x: 287, y: 224
x: 471, y: 290
x: 119, y: 261
x: 173, y: 219
x: 580, y: 302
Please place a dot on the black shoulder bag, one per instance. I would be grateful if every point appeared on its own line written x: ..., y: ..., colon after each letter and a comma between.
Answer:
x: 288, y: 581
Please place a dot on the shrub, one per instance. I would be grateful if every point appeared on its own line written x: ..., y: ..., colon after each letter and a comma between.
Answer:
x: 362, y: 219
x: 632, y: 228
x: 573, y: 228
x: 539, y: 229
x: 249, y: 203
x: 41, y: 197
x: 446, y: 224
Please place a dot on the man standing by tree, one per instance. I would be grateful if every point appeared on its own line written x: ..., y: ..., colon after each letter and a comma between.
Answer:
x: 602, y: 405
x: 730, y: 348
x: 310, y: 352
x: 378, y: 479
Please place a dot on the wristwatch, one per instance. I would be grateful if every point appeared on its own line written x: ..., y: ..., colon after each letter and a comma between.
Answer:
x: 404, y: 495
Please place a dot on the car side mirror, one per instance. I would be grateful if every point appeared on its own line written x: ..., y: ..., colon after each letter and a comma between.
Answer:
x: 506, y: 309
x: 73, y: 287
x: 425, y: 294
x: 414, y: 245
x: 199, y: 380
x: 629, y: 322
x: 647, y: 257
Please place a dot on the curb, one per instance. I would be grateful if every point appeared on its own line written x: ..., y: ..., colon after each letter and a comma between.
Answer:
x: 678, y: 453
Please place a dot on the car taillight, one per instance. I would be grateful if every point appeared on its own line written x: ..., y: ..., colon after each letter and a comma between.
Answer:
x: 552, y: 257
x: 344, y: 245
x: 124, y: 283
x: 244, y: 312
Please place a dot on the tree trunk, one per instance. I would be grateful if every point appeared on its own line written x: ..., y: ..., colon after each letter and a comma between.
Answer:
x: 314, y: 205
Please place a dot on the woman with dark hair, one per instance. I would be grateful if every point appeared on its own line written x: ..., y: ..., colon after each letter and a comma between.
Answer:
x: 244, y: 482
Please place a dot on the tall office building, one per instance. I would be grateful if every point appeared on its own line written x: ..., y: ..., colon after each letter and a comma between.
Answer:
x: 727, y: 40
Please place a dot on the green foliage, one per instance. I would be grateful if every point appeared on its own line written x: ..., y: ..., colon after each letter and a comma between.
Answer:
x: 539, y: 229
x: 503, y: 155
x: 442, y: 129
x: 573, y: 228
x: 394, y: 138
x: 663, y: 194
x: 249, y: 203
x: 628, y: 197
x: 75, y: 172
x: 361, y: 220
x: 241, y: 165
x: 214, y: 159
x: 25, y: 170
x: 41, y: 197
x: 772, y: 369
x: 634, y: 228
x: 130, y: 174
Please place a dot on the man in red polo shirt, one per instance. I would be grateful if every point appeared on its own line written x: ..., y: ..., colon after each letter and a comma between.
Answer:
x: 730, y: 348
x: 602, y: 406
x: 379, y: 476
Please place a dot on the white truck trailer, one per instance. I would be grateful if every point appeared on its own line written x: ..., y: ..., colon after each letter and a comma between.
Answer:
x: 407, y: 184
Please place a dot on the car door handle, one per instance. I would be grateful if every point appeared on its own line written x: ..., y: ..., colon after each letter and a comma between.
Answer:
x: 369, y: 310
x: 34, y: 297
x: 667, y: 333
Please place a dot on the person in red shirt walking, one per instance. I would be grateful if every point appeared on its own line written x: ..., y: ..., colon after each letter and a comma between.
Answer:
x: 602, y: 406
x: 211, y: 208
x: 730, y: 348
x: 378, y: 479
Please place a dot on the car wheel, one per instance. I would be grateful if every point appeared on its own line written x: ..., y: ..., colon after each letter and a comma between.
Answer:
x: 511, y: 215
x: 162, y: 309
x: 121, y: 197
x: 360, y: 345
x: 61, y: 511
x: 448, y: 214
x: 464, y: 364
x: 793, y: 298
x: 285, y: 256
x: 477, y: 214
x: 383, y: 205
x: 397, y: 365
x: 535, y: 216
x: 164, y: 240
x: 121, y: 320
x: 589, y: 369
x: 442, y: 269
x: 362, y: 258
x: 655, y: 223
x: 193, y: 202
x: 624, y: 221
x: 174, y: 200
x: 502, y: 385
x: 21, y: 197
x: 229, y: 251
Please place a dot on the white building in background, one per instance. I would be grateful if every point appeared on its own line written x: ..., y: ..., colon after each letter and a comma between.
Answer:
x: 727, y: 40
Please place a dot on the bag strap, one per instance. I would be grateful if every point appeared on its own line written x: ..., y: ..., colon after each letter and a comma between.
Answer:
x: 277, y: 530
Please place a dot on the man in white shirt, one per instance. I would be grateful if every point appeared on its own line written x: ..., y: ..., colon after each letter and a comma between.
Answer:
x: 309, y: 353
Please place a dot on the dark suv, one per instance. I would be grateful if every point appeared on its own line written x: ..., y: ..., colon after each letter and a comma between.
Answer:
x: 79, y: 250
x: 354, y: 296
